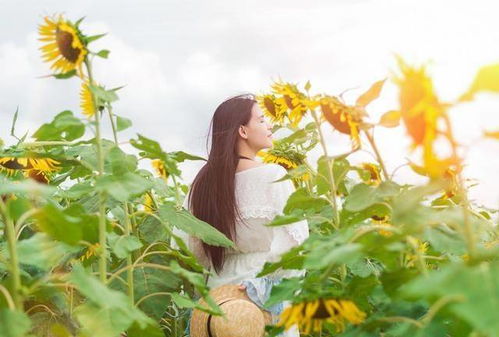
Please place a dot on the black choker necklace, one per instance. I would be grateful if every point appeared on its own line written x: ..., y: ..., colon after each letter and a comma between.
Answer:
x: 245, y: 157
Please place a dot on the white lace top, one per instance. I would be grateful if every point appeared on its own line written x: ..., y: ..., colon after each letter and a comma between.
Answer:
x: 259, y: 201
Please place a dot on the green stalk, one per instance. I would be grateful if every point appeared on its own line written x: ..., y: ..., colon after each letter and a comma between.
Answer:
x: 378, y: 155
x: 332, y: 191
x: 102, y: 196
x: 177, y: 195
x: 14, y: 260
x: 127, y: 219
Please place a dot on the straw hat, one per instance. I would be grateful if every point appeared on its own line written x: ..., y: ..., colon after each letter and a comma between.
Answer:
x: 243, y: 317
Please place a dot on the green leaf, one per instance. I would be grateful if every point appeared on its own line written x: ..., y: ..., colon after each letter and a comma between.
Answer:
x: 66, y: 75
x: 64, y: 126
x: 361, y: 197
x: 14, y: 120
x: 301, y: 199
x: 445, y: 240
x: 14, y: 323
x: 340, y: 169
x: 70, y: 225
x: 28, y: 186
x: 102, y: 94
x: 187, y: 222
x: 308, y: 86
x: 152, y: 150
x: 104, y: 53
x: 147, y: 281
x: 123, y: 187
x: 472, y: 293
x: 292, y: 259
x: 92, y: 38
x: 285, y: 290
x: 42, y: 252
x: 123, y: 245
x: 181, y: 156
x: 122, y: 123
x: 323, y: 255
x: 151, y: 330
x: 78, y: 190
x: 107, y: 312
x: 183, y: 301
x: 118, y: 162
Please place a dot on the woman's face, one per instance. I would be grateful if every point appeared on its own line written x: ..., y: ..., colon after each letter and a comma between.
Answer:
x: 257, y: 132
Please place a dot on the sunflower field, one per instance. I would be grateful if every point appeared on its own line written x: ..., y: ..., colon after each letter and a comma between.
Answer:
x: 85, y: 233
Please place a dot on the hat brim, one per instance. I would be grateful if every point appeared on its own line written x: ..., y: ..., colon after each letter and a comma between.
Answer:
x: 230, y: 296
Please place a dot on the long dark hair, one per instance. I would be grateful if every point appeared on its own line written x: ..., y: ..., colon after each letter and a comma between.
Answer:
x: 212, y: 195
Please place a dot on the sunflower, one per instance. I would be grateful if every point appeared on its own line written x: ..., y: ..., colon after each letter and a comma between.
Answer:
x: 160, y: 168
x: 374, y: 177
x: 311, y: 315
x: 87, y: 103
x: 90, y: 251
x: 289, y: 98
x: 271, y: 109
x: 35, y: 168
x: 346, y: 119
x: 149, y: 206
x: 285, y: 156
x: 64, y: 45
x: 383, y: 220
x: 419, y: 105
x: 410, y: 258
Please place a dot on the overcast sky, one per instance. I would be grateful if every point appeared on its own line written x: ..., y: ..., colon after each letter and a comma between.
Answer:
x: 180, y: 59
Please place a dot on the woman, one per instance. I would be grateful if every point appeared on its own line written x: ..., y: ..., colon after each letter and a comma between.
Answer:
x: 237, y: 195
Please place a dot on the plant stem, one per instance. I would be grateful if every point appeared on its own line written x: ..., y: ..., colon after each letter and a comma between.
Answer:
x: 177, y: 195
x: 127, y: 219
x: 332, y: 191
x: 378, y: 155
x: 102, y: 196
x: 14, y: 261
x: 45, y: 143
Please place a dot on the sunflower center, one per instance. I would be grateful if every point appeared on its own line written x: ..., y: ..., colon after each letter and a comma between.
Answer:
x: 12, y: 164
x: 321, y: 312
x: 64, y: 42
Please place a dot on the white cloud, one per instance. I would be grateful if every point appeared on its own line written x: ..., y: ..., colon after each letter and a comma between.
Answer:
x: 179, y: 62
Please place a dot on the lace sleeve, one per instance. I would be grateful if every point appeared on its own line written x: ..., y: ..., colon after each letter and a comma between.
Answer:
x: 280, y: 193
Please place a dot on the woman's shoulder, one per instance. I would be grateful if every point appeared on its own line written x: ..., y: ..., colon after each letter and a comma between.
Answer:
x: 259, y: 169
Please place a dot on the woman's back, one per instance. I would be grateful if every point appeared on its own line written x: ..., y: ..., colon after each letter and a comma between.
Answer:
x: 259, y: 200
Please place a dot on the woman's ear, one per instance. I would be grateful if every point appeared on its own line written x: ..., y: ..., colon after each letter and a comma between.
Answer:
x: 242, y: 132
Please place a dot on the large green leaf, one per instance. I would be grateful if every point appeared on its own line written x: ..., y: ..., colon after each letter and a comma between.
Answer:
x: 472, y: 292
x: 301, y: 199
x: 123, y: 187
x: 187, y: 222
x: 118, y: 162
x: 70, y: 225
x: 123, y: 245
x: 14, y: 323
x: 324, y: 254
x: 28, y: 186
x: 64, y: 126
x: 152, y: 150
x: 340, y: 169
x: 42, y: 252
x: 107, y: 312
x: 362, y: 196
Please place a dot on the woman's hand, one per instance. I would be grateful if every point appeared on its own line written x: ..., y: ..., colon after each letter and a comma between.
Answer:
x: 242, y: 287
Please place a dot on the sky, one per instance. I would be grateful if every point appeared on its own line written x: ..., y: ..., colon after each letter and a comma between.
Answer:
x: 179, y: 60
